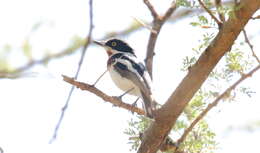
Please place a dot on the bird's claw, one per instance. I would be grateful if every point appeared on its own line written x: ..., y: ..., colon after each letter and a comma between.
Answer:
x: 118, y: 97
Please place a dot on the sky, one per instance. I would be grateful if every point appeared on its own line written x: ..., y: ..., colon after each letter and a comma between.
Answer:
x: 30, y: 106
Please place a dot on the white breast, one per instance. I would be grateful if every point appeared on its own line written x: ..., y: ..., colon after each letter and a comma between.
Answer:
x: 123, y: 83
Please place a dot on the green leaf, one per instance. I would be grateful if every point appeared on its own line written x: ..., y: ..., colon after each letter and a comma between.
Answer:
x: 195, y: 24
x: 203, y: 19
x: 27, y: 49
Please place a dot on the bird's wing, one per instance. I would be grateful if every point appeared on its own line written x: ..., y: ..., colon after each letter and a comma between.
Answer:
x: 134, y: 71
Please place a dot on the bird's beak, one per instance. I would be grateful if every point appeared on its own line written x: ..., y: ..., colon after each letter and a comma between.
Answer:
x: 100, y: 43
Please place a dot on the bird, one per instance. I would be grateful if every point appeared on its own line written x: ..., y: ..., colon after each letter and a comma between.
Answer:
x: 128, y: 72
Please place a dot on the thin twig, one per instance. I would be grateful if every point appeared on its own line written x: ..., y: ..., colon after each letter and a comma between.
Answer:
x: 214, y: 103
x: 210, y: 13
x: 169, y: 11
x: 115, y: 101
x: 45, y: 59
x: 220, y: 14
x: 250, y: 46
x: 257, y: 17
x: 88, y: 40
x: 151, y: 8
x: 158, y: 21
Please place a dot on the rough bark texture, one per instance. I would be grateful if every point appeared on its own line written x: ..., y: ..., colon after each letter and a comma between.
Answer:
x: 166, y: 116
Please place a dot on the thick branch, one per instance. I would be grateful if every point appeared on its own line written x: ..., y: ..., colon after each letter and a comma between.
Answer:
x: 113, y: 100
x: 167, y: 115
x: 214, y: 103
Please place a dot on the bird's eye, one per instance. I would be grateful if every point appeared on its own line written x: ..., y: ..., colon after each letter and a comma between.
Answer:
x: 113, y: 44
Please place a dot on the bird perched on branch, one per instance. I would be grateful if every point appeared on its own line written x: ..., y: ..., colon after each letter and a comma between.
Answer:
x: 128, y: 73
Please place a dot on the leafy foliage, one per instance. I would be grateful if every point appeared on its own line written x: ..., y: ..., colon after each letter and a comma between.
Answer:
x: 185, y: 3
x: 200, y: 139
x: 4, y: 54
x: 136, y: 126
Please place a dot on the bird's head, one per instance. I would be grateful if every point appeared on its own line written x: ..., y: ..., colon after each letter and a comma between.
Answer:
x: 114, y: 46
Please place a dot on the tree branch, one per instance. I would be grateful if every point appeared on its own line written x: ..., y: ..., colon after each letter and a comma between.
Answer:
x: 257, y: 17
x: 84, y: 49
x: 158, y: 21
x: 166, y: 116
x: 16, y: 71
x: 210, y: 13
x: 214, y: 103
x: 113, y: 100
x: 250, y: 46
x: 151, y: 8
x: 219, y: 6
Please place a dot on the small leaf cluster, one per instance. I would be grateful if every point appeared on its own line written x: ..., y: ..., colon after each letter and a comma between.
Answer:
x: 137, y: 125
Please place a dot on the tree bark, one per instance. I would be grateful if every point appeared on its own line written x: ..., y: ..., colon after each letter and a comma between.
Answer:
x: 167, y: 115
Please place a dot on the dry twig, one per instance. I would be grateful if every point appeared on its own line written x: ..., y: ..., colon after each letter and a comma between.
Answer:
x: 250, y: 46
x: 88, y: 40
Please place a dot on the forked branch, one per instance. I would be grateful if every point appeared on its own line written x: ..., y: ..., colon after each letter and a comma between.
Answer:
x: 158, y: 22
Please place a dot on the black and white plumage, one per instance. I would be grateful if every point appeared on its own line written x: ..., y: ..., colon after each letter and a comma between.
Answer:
x: 128, y: 73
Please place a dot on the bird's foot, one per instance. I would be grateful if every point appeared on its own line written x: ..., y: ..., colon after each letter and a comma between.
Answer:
x: 135, y: 102
x: 118, y: 97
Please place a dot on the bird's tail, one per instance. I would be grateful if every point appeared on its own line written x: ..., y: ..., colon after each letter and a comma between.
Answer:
x: 148, y: 104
